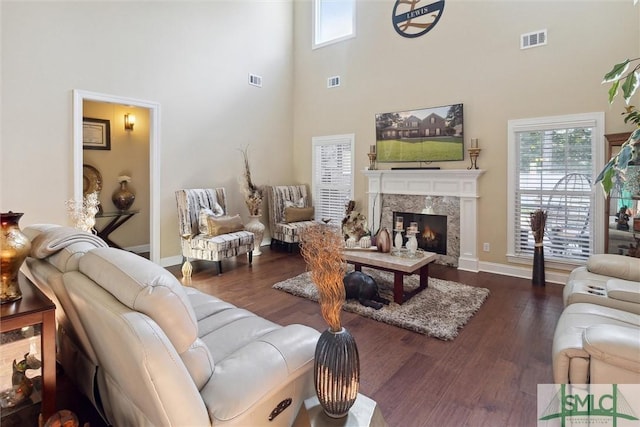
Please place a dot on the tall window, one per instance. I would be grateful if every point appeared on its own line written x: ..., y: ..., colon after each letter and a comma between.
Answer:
x: 332, y: 175
x: 333, y: 21
x: 552, y: 162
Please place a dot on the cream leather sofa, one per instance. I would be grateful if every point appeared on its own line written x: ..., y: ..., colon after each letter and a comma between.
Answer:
x: 608, y: 280
x: 50, y: 258
x: 162, y: 354
x: 597, y: 338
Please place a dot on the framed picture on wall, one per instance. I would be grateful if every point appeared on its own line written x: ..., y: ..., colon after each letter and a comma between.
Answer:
x: 96, y: 134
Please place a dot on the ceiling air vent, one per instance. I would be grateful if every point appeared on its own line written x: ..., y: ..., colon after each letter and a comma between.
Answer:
x: 534, y: 39
x: 333, y: 81
x: 255, y: 80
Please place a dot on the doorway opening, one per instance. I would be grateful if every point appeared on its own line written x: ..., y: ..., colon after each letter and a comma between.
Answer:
x: 153, y: 109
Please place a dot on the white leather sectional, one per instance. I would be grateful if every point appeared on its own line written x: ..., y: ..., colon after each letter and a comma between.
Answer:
x: 158, y: 353
x: 597, y: 338
x: 608, y: 280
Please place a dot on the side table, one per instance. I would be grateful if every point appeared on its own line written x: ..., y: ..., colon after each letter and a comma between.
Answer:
x: 117, y: 219
x: 364, y: 413
x: 34, y: 308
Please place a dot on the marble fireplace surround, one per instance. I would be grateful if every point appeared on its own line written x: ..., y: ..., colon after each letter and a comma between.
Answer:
x: 459, y: 183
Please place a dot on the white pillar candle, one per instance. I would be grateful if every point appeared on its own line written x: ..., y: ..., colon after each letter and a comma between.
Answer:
x: 399, y: 223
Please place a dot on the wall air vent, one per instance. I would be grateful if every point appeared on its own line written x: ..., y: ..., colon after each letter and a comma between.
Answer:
x: 333, y: 81
x: 255, y: 80
x: 534, y: 39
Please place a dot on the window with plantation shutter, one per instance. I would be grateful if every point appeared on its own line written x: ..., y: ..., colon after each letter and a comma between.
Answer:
x: 552, y: 163
x: 332, y: 175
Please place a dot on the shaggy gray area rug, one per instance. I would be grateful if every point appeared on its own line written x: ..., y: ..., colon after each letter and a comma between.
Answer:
x: 438, y: 311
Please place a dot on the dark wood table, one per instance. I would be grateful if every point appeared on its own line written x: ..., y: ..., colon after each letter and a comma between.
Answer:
x: 398, y: 265
x: 32, y: 309
x: 117, y: 219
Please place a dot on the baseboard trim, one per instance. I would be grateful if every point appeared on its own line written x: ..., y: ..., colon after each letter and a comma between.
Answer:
x: 487, y: 267
x: 521, y: 272
x: 138, y: 249
x: 171, y: 261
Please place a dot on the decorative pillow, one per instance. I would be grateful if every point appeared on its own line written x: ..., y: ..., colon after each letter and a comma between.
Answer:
x: 293, y: 214
x: 224, y: 225
x: 297, y: 204
x: 204, y: 214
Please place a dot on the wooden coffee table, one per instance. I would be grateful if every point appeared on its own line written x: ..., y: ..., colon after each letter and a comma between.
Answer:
x: 398, y: 265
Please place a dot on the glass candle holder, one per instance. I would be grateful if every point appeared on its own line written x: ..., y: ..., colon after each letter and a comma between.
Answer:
x: 399, y: 223
x: 412, y: 244
x: 398, y: 240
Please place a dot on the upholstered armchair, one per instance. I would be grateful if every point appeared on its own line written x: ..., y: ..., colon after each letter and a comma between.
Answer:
x: 290, y: 212
x: 207, y: 231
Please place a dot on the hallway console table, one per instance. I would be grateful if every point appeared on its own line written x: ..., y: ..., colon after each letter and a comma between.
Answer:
x: 117, y: 219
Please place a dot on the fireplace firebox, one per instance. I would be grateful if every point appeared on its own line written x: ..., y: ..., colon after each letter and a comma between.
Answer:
x: 432, y: 230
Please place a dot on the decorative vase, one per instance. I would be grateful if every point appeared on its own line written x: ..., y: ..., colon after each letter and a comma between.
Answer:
x: 383, y: 241
x: 428, y: 206
x: 122, y: 197
x: 14, y: 248
x: 538, y: 278
x: 257, y: 228
x: 336, y: 372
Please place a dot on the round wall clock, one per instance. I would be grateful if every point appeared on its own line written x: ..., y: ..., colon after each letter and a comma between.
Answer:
x: 413, y: 18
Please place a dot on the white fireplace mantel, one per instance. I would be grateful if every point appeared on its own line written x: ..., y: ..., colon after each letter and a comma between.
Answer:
x: 460, y: 183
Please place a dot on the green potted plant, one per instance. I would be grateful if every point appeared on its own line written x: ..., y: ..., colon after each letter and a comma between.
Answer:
x: 622, y: 166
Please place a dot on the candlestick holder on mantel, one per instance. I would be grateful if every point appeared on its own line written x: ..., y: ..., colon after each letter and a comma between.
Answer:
x: 372, y: 161
x: 473, y: 154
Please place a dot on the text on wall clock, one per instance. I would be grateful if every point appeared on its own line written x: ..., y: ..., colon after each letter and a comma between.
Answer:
x: 414, y: 18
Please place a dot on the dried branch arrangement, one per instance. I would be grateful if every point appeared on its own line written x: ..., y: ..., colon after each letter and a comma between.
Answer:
x: 253, y: 194
x: 538, y: 220
x: 321, y: 247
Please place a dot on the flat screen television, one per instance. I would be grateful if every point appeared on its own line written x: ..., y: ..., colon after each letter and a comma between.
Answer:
x: 426, y: 135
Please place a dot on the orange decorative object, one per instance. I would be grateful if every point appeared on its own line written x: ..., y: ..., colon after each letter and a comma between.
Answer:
x: 64, y: 418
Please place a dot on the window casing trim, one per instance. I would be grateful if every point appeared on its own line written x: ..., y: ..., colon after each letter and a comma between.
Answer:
x: 593, y: 120
x: 331, y: 140
x: 315, y: 28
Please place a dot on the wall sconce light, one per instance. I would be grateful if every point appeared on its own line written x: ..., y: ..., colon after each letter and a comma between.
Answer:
x: 129, y: 121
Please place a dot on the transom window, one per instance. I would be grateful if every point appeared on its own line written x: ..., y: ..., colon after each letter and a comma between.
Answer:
x: 551, y: 167
x: 333, y: 21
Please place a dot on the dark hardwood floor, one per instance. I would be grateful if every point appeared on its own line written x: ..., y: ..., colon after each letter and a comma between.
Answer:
x: 487, y: 376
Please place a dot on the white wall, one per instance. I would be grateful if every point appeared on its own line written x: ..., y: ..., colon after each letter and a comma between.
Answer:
x: 192, y: 58
x: 472, y: 56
